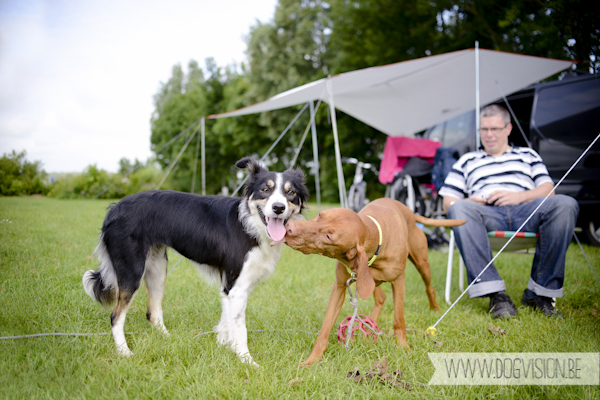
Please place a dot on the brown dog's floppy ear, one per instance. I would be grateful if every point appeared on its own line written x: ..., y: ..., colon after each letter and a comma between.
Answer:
x: 365, y: 285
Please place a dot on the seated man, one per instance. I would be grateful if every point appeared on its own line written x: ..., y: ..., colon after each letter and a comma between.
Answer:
x: 497, y: 188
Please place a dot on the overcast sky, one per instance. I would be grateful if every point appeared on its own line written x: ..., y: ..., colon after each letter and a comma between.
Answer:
x: 77, y: 76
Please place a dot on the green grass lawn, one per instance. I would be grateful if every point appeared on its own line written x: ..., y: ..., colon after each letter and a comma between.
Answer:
x: 43, y: 257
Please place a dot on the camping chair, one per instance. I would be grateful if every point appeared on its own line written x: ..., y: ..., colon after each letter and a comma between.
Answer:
x: 522, y: 241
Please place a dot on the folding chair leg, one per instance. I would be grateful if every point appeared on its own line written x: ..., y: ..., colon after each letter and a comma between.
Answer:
x: 449, y: 268
x: 586, y: 258
x: 461, y: 273
x: 461, y: 269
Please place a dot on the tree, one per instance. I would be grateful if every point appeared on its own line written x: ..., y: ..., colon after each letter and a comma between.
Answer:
x: 375, y: 32
x: 179, y: 105
x: 126, y: 167
x: 292, y: 51
x: 21, y: 177
x: 287, y: 53
x: 564, y: 29
x: 367, y: 33
x: 310, y: 39
x: 579, y: 27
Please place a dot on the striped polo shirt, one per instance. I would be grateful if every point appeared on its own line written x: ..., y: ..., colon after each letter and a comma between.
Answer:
x: 479, y: 174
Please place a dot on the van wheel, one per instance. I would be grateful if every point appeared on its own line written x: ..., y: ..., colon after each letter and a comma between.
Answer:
x: 591, y: 232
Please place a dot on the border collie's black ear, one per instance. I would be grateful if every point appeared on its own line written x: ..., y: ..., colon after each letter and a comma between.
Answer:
x: 298, y: 173
x: 299, y: 179
x: 251, y: 165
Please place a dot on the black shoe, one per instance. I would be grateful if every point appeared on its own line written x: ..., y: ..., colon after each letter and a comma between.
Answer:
x: 543, y: 304
x: 501, y: 306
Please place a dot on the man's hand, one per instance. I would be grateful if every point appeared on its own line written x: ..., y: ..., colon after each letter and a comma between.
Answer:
x: 482, y: 201
x: 505, y: 198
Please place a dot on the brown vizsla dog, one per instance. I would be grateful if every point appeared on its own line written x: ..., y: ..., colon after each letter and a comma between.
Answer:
x: 353, y: 239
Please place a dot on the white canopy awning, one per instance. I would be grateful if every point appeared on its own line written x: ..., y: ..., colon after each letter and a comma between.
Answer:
x: 405, y: 98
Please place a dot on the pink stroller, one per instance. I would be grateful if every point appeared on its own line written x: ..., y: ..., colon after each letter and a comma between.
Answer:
x: 406, y: 171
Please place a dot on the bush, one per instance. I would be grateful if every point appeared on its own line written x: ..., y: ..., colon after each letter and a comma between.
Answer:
x: 21, y: 177
x: 95, y: 182
x: 143, y: 179
x: 88, y: 184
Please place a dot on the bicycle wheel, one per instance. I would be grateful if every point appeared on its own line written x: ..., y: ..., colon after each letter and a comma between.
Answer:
x: 400, y: 191
x: 356, y: 196
x: 404, y: 191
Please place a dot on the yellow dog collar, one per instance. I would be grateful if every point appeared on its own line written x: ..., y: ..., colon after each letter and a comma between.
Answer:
x: 372, y: 260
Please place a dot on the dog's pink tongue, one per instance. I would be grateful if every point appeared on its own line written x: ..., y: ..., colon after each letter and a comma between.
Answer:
x: 276, y: 230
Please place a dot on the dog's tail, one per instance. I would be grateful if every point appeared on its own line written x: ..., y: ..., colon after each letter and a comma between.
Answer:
x: 439, y: 222
x: 101, y: 285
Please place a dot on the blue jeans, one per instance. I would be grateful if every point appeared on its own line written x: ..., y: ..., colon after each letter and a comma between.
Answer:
x: 554, y: 222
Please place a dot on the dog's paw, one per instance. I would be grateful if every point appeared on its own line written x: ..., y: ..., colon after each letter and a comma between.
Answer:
x: 247, y: 359
x: 309, y: 362
x: 223, y: 339
x: 124, y: 351
x: 162, y: 329
x: 222, y: 335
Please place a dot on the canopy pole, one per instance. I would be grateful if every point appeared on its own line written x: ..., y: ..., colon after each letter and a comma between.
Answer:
x: 302, y: 140
x: 338, y: 157
x: 174, y: 162
x: 264, y: 157
x: 196, y: 161
x: 203, y: 151
x: 315, y: 154
x: 477, y: 111
x: 514, y: 117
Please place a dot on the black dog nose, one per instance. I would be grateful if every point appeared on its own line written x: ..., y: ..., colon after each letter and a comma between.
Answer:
x: 278, y: 208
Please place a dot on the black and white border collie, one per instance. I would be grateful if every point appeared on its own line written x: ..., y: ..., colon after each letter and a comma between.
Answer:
x: 234, y: 240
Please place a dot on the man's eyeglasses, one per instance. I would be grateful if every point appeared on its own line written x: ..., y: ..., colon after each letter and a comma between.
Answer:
x: 495, y: 131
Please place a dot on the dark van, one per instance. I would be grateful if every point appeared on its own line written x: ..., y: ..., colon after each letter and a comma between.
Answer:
x: 559, y: 120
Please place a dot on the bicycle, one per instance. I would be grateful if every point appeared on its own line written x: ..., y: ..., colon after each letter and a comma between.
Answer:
x: 412, y: 187
x: 358, y: 190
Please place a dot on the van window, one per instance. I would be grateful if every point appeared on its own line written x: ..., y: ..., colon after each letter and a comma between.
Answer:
x: 437, y: 133
x: 569, y: 112
x: 457, y: 129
